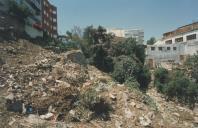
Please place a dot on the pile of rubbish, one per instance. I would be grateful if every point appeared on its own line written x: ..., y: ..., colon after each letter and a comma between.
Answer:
x: 39, y: 88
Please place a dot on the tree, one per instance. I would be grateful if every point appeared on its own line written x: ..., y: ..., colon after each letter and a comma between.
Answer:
x: 129, y: 47
x: 151, y: 41
x: 101, y: 59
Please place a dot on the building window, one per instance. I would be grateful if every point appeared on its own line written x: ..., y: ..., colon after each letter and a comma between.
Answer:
x: 168, y: 42
x: 160, y: 48
x: 54, y: 12
x: 152, y: 48
x: 177, y: 40
x: 191, y: 37
x: 174, y: 48
x: 54, y: 20
x: 54, y: 28
x: 168, y: 48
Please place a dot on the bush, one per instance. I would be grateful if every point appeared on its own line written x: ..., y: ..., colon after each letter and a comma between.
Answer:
x: 124, y: 68
x: 192, y: 63
x: 98, y: 105
x: 129, y: 47
x: 132, y: 84
x: 127, y: 69
x: 101, y: 59
x: 177, y: 86
x: 144, y: 78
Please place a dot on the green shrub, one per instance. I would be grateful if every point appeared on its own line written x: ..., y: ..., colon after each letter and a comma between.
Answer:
x: 132, y: 84
x: 177, y: 86
x: 124, y: 68
x: 101, y: 59
x: 98, y: 105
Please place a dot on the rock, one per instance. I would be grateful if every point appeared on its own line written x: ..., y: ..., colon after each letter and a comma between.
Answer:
x: 151, y: 115
x: 44, y: 80
x: 128, y: 113
x: 133, y: 104
x: 50, y: 78
x: 62, y: 83
x: 196, y: 120
x: 112, y: 97
x: 47, y: 116
x: 176, y: 114
x: 12, y: 121
x: 72, y: 113
x: 139, y: 106
x: 10, y: 97
x: 145, y: 121
x: 2, y: 85
x: 118, y: 124
x: 76, y: 56
x: 34, y: 119
x: 30, y: 83
x: 120, y: 85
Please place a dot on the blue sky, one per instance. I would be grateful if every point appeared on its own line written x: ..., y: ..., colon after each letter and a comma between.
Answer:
x: 154, y: 16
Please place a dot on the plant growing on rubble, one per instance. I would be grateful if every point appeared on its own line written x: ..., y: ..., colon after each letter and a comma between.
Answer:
x: 192, y: 64
x: 176, y: 85
x: 126, y: 68
x: 99, y: 106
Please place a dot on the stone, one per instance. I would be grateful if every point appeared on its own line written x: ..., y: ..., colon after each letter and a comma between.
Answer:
x: 112, y: 97
x: 145, y: 121
x: 13, y: 120
x: 50, y: 78
x: 44, y: 80
x: 62, y: 83
x: 176, y: 114
x: 47, y: 116
x: 128, y: 113
x: 10, y: 97
x: 118, y: 124
x: 30, y: 83
x: 72, y: 112
x: 133, y: 104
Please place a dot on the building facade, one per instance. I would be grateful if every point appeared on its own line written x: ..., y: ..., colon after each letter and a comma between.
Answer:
x: 49, y: 19
x: 32, y: 25
x: 174, y: 47
x: 137, y: 34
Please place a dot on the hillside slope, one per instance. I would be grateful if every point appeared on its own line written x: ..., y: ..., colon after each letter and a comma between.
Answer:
x: 39, y: 88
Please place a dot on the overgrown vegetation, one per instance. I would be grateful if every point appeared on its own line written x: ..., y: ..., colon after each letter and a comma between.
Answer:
x: 98, y: 105
x: 124, y: 60
x: 177, y: 86
x: 192, y: 64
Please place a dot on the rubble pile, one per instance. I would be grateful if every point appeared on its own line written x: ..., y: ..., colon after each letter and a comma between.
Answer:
x: 39, y: 88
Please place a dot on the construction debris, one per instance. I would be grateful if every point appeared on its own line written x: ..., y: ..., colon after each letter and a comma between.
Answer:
x: 40, y: 87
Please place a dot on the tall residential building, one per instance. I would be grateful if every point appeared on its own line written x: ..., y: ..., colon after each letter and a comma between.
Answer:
x: 49, y: 19
x: 174, y: 47
x: 138, y: 34
x: 33, y: 24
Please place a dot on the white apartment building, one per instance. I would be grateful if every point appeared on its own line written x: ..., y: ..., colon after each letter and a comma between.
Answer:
x: 138, y: 34
x: 174, y: 47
